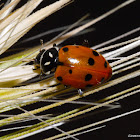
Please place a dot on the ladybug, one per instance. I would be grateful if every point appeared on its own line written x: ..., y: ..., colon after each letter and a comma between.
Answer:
x: 75, y: 65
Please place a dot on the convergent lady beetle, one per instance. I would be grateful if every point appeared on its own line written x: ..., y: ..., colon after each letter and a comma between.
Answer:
x: 75, y: 65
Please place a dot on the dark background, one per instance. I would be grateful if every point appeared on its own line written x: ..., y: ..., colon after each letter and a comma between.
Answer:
x: 116, y: 24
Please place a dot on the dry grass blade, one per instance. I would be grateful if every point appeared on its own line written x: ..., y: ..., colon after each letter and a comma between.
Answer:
x: 5, y: 11
x: 91, y: 125
x: 23, y: 24
x: 117, y: 38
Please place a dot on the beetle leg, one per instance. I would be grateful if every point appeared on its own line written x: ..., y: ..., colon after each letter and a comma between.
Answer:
x: 65, y: 86
x: 80, y: 91
x: 41, y: 76
x: 85, y: 43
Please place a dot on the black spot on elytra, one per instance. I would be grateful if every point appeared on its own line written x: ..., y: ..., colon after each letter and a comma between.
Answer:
x: 59, y: 78
x: 102, y: 80
x: 88, y: 77
x: 105, y: 64
x: 95, y: 53
x: 65, y: 49
x: 91, y: 61
x: 70, y: 71
x: 77, y: 46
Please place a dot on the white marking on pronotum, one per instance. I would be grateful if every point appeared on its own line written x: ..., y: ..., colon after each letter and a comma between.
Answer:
x: 50, y: 54
x: 47, y: 63
x: 56, y: 48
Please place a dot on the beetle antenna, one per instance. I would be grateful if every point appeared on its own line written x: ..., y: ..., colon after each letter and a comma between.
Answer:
x: 42, y: 44
x: 85, y: 43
